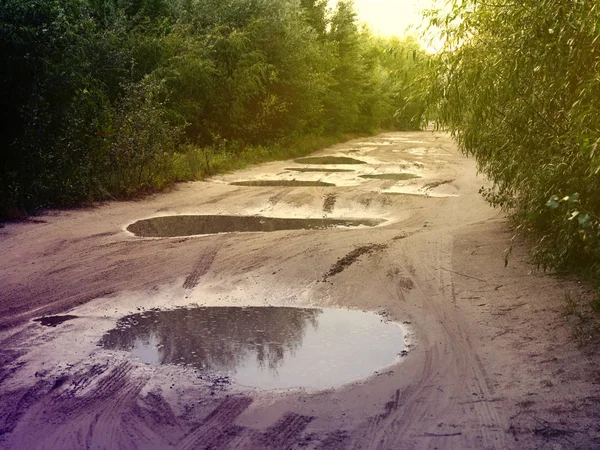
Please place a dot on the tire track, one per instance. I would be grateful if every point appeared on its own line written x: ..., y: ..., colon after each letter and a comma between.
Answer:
x: 201, y: 268
x: 95, y: 408
x: 338, y: 440
x: 449, y: 370
x: 284, y: 433
x: 218, y: 429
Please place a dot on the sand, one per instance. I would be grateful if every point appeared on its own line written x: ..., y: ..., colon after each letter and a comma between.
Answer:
x: 491, y: 363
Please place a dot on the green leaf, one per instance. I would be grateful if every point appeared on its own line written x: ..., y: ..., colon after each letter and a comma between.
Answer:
x: 584, y: 220
x: 553, y: 203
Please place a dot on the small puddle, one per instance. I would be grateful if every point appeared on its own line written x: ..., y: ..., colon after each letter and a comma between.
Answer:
x: 263, y: 347
x: 297, y: 183
x: 329, y: 160
x: 173, y: 226
x: 52, y: 321
x: 391, y: 176
x: 309, y: 169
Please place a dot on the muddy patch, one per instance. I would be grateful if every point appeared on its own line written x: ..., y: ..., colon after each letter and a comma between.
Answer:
x: 174, y: 226
x: 317, y: 170
x: 329, y: 203
x: 52, y: 321
x: 329, y: 160
x: 262, y: 347
x: 289, y: 183
x: 435, y: 184
x: 345, y: 262
x: 391, y: 176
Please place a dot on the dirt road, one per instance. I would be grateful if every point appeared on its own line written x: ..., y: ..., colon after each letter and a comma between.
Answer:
x: 491, y: 362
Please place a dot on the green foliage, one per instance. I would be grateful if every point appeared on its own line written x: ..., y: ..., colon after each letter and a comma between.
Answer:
x: 106, y: 98
x: 518, y: 86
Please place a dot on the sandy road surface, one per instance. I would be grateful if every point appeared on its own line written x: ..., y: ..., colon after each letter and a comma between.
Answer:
x: 491, y: 365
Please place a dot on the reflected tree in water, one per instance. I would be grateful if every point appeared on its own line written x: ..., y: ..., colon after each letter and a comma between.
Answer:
x: 215, y: 339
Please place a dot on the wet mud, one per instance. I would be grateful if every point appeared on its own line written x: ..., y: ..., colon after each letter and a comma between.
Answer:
x: 262, y: 347
x: 435, y: 184
x: 289, y: 183
x: 52, y: 321
x: 346, y: 261
x: 329, y: 203
x: 174, y: 226
x: 391, y: 176
x: 329, y: 160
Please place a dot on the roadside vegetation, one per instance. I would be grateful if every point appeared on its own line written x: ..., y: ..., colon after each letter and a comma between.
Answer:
x: 109, y: 98
x: 518, y: 85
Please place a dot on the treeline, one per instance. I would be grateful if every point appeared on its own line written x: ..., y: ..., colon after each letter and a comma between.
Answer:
x: 519, y: 86
x: 105, y: 98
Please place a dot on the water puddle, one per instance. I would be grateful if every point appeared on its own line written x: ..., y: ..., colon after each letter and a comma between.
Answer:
x: 413, y: 190
x: 391, y: 176
x: 329, y: 160
x: 263, y: 347
x: 173, y: 226
x: 292, y: 183
x: 378, y: 143
x: 309, y: 169
x: 52, y: 321
x: 364, y: 149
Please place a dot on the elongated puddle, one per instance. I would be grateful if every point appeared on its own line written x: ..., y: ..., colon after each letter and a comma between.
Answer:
x: 172, y: 226
x: 52, y: 321
x: 317, y: 170
x: 263, y: 347
x: 290, y: 183
x: 328, y: 160
x: 391, y: 176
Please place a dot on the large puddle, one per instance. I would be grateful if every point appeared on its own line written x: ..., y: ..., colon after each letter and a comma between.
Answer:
x: 290, y: 183
x: 329, y: 160
x: 173, y: 226
x: 263, y: 347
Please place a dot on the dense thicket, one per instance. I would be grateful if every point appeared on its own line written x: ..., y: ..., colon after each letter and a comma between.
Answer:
x: 103, y: 98
x: 519, y: 86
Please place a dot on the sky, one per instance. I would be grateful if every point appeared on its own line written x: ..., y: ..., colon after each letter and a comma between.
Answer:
x: 393, y: 17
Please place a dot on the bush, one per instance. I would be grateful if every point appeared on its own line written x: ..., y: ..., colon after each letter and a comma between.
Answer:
x: 518, y: 86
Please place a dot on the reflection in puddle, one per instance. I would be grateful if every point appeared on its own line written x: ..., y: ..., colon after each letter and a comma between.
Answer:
x: 263, y: 347
x: 291, y: 183
x: 329, y: 160
x: 172, y: 226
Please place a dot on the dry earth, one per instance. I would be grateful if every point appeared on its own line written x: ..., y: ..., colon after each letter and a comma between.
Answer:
x: 492, y: 363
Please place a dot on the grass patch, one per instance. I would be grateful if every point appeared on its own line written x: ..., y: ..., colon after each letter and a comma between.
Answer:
x: 190, y: 163
x: 194, y: 163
